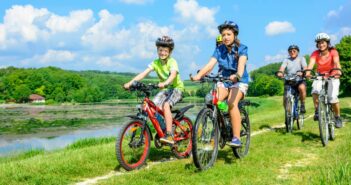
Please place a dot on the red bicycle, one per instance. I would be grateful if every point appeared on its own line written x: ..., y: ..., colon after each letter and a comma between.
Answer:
x: 133, y: 140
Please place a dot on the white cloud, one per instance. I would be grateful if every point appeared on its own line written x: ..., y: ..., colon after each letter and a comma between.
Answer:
x: 138, y: 2
x: 103, y: 34
x: 53, y: 56
x: 2, y: 35
x: 192, y: 13
x: 20, y: 21
x: 277, y: 27
x: 336, y: 37
x: 70, y: 23
x: 334, y: 13
x: 279, y: 57
x: 107, y: 62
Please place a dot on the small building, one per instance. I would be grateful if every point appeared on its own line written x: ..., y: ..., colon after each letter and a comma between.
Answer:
x: 34, y: 98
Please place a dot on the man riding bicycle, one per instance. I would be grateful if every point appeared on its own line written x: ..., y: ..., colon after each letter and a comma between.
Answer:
x: 293, y: 64
x: 327, y: 58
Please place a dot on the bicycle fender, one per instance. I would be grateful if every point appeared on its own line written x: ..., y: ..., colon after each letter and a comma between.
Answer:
x: 138, y: 118
x: 181, y: 112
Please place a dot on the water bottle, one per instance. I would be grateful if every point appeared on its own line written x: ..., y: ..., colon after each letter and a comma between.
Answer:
x: 223, y: 106
x: 161, y: 121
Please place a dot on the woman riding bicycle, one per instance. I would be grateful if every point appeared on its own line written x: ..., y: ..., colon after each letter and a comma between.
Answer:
x: 167, y: 71
x: 293, y: 64
x: 231, y: 57
x: 327, y: 58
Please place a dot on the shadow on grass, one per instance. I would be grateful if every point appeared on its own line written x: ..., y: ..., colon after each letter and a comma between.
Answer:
x: 307, y: 136
x: 346, y: 113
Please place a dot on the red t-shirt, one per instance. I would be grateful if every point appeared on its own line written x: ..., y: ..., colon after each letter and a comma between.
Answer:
x: 325, y: 63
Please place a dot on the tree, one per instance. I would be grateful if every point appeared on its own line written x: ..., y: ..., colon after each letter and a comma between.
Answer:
x: 21, y: 93
x: 344, y: 49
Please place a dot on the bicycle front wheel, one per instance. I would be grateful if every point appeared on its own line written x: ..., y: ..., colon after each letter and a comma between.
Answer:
x: 205, y: 139
x: 182, y: 137
x: 322, y: 121
x: 133, y: 145
x: 300, y: 121
x: 289, y: 113
x: 245, y: 134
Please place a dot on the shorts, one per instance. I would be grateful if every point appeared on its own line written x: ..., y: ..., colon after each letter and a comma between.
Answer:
x: 243, y: 87
x: 172, y: 96
x: 286, y: 86
x: 333, y: 89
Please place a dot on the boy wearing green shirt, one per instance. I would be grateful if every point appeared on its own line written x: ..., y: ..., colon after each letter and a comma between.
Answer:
x: 167, y: 71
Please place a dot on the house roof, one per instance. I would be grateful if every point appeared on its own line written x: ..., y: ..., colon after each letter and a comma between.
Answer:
x: 36, y: 97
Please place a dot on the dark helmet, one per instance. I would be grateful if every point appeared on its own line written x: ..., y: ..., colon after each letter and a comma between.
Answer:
x: 229, y: 24
x: 165, y: 41
x: 294, y: 47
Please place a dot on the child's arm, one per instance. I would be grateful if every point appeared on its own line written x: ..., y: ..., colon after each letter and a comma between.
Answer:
x: 169, y: 80
x: 241, y: 67
x: 208, y: 67
x: 138, y: 77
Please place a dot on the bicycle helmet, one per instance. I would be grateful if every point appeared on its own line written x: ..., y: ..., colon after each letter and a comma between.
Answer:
x: 322, y: 36
x: 229, y: 24
x: 165, y: 41
x: 293, y: 46
x: 219, y: 38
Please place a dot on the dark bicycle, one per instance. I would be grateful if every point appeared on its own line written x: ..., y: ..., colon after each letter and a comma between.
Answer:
x: 291, y: 101
x: 133, y: 140
x: 326, y: 119
x: 212, y: 128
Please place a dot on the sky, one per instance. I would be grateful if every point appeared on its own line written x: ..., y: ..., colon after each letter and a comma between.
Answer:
x: 119, y: 35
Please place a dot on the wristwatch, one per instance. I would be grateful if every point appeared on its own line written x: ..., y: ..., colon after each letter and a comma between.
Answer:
x: 238, y: 77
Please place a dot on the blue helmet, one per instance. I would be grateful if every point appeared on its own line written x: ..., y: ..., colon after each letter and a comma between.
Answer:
x: 229, y: 24
x: 294, y: 47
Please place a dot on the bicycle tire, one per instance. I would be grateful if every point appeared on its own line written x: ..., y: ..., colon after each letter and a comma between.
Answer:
x: 126, y: 150
x: 322, y: 121
x: 331, y: 125
x: 205, y: 139
x: 289, y: 120
x: 182, y: 146
x: 245, y: 136
x: 300, y: 121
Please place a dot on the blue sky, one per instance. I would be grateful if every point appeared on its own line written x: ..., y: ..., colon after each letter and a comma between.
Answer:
x: 119, y: 35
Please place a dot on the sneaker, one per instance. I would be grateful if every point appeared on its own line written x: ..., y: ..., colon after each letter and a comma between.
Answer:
x: 315, y: 117
x: 167, y: 139
x: 235, y: 142
x: 302, y: 109
x: 338, y: 122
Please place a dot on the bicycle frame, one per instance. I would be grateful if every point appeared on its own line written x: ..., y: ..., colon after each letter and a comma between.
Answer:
x: 149, y: 109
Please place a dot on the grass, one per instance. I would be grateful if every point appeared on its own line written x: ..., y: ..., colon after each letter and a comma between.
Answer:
x: 274, y: 158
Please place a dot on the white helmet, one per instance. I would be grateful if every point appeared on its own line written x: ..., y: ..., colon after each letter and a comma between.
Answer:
x: 322, y: 36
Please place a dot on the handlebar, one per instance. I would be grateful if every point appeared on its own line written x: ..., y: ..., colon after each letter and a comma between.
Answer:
x: 214, y: 78
x: 291, y: 77
x: 139, y: 86
x: 314, y: 76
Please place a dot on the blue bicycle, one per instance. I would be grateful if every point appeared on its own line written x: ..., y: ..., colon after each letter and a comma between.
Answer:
x: 291, y: 102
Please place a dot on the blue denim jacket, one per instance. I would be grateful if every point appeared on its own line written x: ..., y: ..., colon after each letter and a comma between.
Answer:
x: 228, y: 63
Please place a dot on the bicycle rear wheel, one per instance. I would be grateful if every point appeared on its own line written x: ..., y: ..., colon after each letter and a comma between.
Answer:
x: 133, y: 145
x: 245, y: 134
x: 205, y: 139
x: 331, y: 125
x: 322, y: 121
x: 182, y: 137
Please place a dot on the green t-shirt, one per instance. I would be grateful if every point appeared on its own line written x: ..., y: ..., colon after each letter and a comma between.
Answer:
x: 163, y: 71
